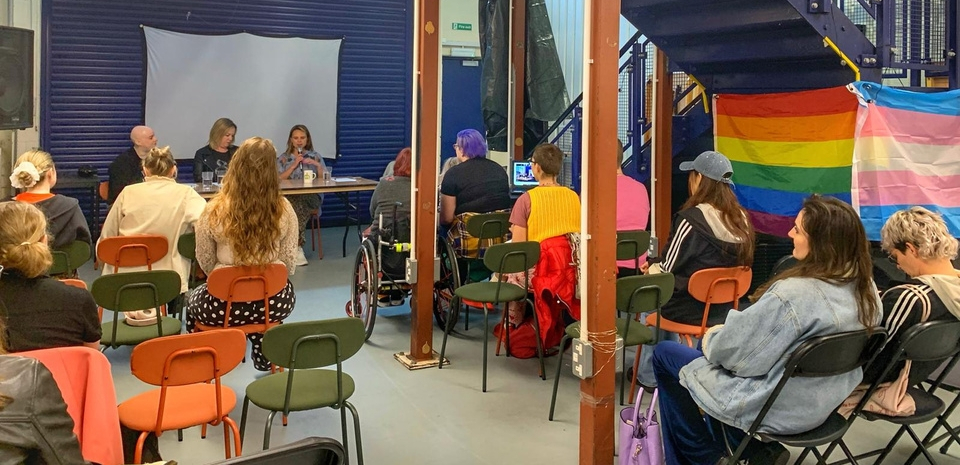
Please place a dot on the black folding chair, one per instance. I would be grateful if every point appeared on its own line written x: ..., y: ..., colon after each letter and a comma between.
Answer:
x: 309, y: 451
x: 947, y: 378
x: 924, y: 342
x: 817, y: 357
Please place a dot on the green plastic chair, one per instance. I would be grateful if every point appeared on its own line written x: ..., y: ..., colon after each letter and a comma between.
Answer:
x: 68, y: 258
x: 635, y: 295
x: 485, y: 226
x: 512, y: 257
x: 303, y: 349
x: 127, y: 292
x: 187, y: 247
x: 631, y: 245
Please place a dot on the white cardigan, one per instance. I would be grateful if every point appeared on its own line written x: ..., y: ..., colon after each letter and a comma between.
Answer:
x: 156, y: 206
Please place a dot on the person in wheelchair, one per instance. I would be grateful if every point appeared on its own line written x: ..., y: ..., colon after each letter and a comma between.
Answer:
x: 390, y: 211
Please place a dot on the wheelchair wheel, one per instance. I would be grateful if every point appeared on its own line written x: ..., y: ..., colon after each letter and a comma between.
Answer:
x: 363, y: 295
x: 449, y: 282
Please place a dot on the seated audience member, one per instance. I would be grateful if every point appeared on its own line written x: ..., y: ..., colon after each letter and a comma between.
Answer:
x: 125, y: 169
x: 218, y: 151
x: 393, y: 192
x: 291, y: 164
x: 547, y: 214
x: 476, y: 185
x: 711, y: 230
x: 34, y: 172
x: 156, y: 206
x: 40, y: 312
x: 920, y: 244
x: 239, y: 229
x: 633, y: 211
x: 450, y: 163
x: 829, y: 291
x: 39, y: 430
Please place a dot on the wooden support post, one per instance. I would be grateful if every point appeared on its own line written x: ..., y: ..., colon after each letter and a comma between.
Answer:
x: 519, y: 55
x: 421, y: 354
x: 599, y: 201
x: 663, y: 146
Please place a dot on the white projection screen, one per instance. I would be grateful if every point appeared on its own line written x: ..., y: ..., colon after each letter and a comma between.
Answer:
x: 264, y: 84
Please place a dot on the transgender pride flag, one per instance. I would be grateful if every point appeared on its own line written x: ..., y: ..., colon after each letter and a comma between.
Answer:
x: 906, y: 153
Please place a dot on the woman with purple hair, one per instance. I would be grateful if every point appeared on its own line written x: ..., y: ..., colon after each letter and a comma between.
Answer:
x: 476, y: 185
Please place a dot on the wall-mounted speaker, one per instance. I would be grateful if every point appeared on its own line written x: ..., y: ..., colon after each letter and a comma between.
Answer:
x: 16, y: 78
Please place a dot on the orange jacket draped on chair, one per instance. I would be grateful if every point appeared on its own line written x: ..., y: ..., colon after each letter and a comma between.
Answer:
x: 85, y: 382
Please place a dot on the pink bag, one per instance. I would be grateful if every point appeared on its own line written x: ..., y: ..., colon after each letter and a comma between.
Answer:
x: 640, y: 436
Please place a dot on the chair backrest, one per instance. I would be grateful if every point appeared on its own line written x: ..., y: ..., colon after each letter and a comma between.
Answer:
x: 138, y: 250
x: 75, y: 283
x: 489, y: 225
x: 309, y: 451
x: 644, y: 293
x: 247, y: 283
x: 313, y: 344
x: 824, y: 356
x: 512, y: 257
x: 139, y: 290
x: 104, y: 190
x: 720, y: 285
x: 632, y: 244
x: 69, y: 257
x: 188, y: 358
x: 783, y: 264
x: 187, y: 246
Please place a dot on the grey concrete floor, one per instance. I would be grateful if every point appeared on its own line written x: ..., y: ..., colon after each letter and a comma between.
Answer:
x: 427, y: 416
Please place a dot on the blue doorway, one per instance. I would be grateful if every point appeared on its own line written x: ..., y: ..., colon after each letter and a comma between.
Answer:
x: 461, y: 101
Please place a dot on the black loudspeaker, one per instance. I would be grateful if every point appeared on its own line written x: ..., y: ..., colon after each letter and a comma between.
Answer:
x: 16, y: 78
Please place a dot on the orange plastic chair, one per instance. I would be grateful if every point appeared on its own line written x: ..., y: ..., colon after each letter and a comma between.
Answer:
x: 138, y: 250
x: 710, y: 286
x: 104, y: 190
x: 75, y: 283
x: 183, y: 366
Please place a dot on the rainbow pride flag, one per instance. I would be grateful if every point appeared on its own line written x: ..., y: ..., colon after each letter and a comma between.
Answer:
x: 906, y: 153
x: 785, y: 147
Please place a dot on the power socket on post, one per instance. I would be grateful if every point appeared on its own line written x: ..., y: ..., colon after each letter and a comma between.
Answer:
x: 582, y: 359
x: 654, y: 247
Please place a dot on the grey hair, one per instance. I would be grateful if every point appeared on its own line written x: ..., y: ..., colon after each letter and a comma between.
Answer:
x: 921, y: 227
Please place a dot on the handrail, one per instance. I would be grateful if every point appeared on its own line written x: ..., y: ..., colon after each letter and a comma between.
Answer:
x: 563, y: 116
x: 846, y: 61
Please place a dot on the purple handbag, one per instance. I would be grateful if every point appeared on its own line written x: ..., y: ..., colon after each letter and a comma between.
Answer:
x: 640, y: 436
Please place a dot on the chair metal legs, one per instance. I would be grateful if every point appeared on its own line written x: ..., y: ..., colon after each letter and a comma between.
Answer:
x: 454, y: 311
x: 356, y: 432
x: 536, y: 327
x: 267, y: 428
x: 556, y: 376
x: 485, y: 338
x: 243, y: 418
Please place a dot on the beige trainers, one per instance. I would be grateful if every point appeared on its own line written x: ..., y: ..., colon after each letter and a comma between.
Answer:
x: 301, y: 259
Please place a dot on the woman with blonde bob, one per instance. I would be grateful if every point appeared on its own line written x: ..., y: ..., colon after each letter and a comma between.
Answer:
x: 156, y: 206
x: 248, y: 223
x: 219, y: 149
x: 40, y: 312
x: 35, y: 175
x: 918, y: 242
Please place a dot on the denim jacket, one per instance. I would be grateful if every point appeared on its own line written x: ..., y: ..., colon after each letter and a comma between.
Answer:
x: 744, y: 359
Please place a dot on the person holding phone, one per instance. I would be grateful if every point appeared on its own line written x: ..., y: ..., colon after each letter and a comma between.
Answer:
x: 291, y: 164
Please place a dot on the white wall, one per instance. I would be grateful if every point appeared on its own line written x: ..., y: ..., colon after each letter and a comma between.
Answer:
x: 463, y: 43
x: 23, y: 14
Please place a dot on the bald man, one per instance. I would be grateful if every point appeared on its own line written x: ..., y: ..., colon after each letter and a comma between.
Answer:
x: 125, y: 170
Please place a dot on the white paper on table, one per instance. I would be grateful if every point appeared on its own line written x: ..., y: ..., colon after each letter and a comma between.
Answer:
x: 344, y: 179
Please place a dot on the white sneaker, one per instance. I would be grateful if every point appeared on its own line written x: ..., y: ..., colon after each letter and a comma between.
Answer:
x: 301, y: 259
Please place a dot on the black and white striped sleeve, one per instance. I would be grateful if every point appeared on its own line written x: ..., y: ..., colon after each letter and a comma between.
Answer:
x: 904, y: 306
x: 674, y: 252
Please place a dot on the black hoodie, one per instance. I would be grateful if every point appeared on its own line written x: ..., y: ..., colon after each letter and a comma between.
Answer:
x: 65, y: 221
x: 698, y: 240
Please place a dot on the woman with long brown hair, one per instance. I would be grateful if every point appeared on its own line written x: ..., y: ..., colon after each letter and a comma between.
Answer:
x: 711, y: 230
x: 829, y: 291
x: 248, y: 223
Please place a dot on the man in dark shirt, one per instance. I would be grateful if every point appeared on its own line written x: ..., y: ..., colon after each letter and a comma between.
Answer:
x: 125, y: 169
x: 477, y: 184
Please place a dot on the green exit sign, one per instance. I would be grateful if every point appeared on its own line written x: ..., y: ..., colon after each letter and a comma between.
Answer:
x: 462, y: 27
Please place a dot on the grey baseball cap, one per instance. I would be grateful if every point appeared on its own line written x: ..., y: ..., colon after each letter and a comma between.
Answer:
x: 713, y: 165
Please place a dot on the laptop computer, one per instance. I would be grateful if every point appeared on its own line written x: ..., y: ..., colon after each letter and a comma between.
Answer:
x: 521, y: 177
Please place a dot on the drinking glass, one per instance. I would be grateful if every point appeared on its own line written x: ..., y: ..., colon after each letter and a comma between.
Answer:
x: 207, y: 178
x: 327, y: 176
x: 221, y: 172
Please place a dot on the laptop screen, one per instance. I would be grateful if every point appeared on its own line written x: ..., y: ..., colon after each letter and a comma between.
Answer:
x: 521, y: 175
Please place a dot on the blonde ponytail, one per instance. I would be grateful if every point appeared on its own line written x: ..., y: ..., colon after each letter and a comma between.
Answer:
x: 22, y: 229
